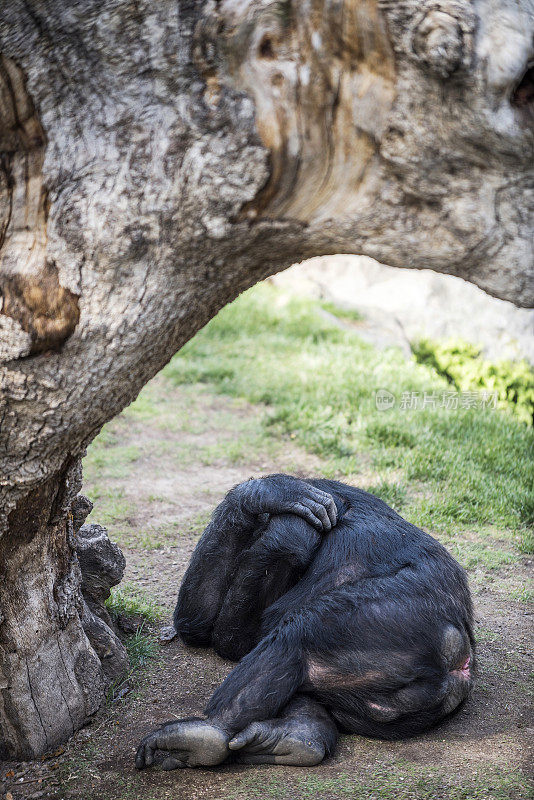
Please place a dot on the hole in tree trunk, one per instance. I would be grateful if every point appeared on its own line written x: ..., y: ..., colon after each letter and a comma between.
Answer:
x: 266, y: 48
x: 523, y: 94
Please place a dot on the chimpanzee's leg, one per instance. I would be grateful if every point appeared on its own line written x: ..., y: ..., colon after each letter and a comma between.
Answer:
x: 267, y: 569
x: 260, y: 686
x: 212, y: 565
x: 301, y: 736
x: 236, y: 523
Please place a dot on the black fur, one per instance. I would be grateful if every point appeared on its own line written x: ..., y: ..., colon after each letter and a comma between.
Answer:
x: 351, y: 607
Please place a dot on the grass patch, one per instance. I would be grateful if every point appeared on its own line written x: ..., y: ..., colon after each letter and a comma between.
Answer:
x: 393, y: 494
x: 112, y: 505
x: 523, y: 594
x: 141, y: 647
x: 345, y: 314
x: 109, y: 458
x: 486, y: 634
x: 400, y: 779
x: 239, y: 449
x: 196, y: 524
x: 131, y: 600
x: 486, y: 555
x: 319, y: 383
x: 526, y: 541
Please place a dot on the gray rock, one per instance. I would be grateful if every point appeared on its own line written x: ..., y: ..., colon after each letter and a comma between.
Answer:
x: 105, y: 643
x: 80, y: 510
x: 102, y: 566
x: 167, y: 634
x: 422, y: 302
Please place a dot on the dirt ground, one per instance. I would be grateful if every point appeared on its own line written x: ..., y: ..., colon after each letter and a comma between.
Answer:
x: 164, y: 486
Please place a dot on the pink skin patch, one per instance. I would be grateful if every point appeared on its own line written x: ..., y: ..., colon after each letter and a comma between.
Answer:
x: 463, y: 671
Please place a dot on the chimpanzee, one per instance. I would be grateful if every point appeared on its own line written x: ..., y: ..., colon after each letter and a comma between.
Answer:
x: 342, y: 615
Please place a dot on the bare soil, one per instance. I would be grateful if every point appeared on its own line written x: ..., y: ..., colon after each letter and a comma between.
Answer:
x: 482, y: 752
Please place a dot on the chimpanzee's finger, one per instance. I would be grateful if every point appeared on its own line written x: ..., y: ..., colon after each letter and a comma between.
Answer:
x: 331, y: 509
x: 327, y: 501
x: 320, y: 512
x: 307, y: 514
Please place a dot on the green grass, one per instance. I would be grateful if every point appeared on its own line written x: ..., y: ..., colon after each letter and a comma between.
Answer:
x: 400, y: 779
x: 486, y: 634
x: 394, y: 494
x: 131, y: 600
x: 141, y: 648
x: 345, y: 314
x: 484, y: 554
x: 111, y: 458
x: 111, y: 504
x: 523, y: 594
x: 474, y: 466
x: 526, y: 541
x: 460, y: 362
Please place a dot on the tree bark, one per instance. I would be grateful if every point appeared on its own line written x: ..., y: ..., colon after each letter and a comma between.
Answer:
x: 156, y: 159
x: 58, y: 650
x: 50, y: 677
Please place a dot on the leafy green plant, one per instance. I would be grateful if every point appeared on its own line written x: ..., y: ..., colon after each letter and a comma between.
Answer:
x: 461, y: 364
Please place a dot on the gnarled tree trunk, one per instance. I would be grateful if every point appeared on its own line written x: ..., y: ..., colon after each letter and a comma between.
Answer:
x: 58, y: 650
x: 158, y: 158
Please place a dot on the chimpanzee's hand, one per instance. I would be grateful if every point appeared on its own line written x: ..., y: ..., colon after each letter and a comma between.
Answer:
x: 185, y: 743
x: 283, y: 494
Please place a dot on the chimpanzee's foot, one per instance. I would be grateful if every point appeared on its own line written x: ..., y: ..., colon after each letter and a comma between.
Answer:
x: 184, y: 743
x: 279, y: 741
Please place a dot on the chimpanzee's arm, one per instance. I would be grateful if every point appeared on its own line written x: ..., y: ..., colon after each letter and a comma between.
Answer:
x: 284, y: 494
x: 242, y: 513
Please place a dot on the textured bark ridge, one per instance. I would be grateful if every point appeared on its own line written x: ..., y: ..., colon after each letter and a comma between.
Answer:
x: 102, y: 566
x: 158, y: 158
